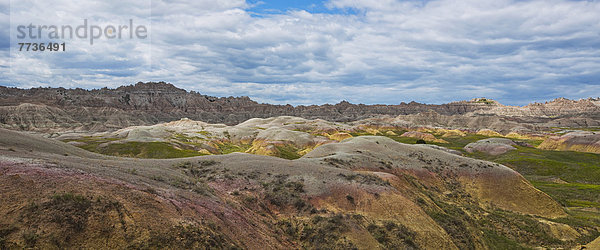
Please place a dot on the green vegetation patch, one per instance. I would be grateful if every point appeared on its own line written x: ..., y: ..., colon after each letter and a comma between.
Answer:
x: 525, y: 229
x: 204, y: 132
x: 568, y: 166
x: 154, y: 150
x: 457, y: 142
x: 91, y: 142
x: 228, y: 148
x: 484, y: 100
x: 288, y: 152
x: 571, y: 194
x: 403, y: 139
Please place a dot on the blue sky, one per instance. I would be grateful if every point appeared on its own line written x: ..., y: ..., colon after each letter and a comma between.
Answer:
x: 284, y: 6
x: 260, y: 7
x: 315, y: 52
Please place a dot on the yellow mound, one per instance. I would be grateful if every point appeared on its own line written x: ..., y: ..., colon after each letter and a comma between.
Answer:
x: 454, y: 133
x: 563, y: 145
x: 204, y: 151
x: 372, y: 131
x: 426, y: 130
x: 515, y: 135
x: 424, y: 136
x: 260, y: 147
x: 489, y: 132
x: 340, y: 136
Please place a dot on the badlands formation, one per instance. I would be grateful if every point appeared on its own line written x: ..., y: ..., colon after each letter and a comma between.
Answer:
x: 59, y: 109
x: 153, y: 166
x: 366, y: 192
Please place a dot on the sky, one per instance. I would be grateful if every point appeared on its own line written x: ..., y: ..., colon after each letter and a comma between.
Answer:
x: 315, y: 52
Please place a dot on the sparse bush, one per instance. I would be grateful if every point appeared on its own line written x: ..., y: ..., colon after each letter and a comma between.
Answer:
x: 151, y: 190
x: 283, y: 193
x: 335, y: 162
x: 70, y: 197
x: 392, y: 235
x: 365, y: 179
x: 191, y: 236
x: 5, y: 230
x: 226, y: 134
x: 180, y: 183
x: 350, y: 199
x: 69, y: 210
x: 63, y: 218
x: 157, y: 178
x: 30, y: 238
x: 183, y: 164
x: 318, y: 232
x: 206, y: 163
x: 249, y: 199
x: 202, y: 188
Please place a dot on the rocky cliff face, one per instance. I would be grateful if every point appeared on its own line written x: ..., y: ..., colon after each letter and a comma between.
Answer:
x: 556, y: 108
x: 48, y: 109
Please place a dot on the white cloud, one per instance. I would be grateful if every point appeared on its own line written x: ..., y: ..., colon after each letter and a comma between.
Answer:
x: 390, y: 51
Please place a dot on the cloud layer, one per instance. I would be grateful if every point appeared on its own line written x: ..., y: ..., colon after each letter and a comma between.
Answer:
x: 364, y: 51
